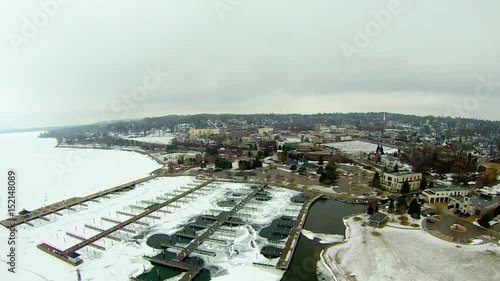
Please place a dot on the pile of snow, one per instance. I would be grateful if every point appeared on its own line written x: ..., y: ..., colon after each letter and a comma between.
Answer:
x: 477, y: 242
x: 494, y: 190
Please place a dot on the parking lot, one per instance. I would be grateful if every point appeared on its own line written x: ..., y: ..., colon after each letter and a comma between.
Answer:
x: 442, y: 228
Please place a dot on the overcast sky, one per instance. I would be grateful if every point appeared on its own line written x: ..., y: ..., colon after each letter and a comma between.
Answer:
x: 88, y: 61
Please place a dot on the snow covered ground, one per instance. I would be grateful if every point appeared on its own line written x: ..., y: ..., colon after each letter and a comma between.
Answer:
x: 153, y: 139
x: 400, y: 254
x: 355, y: 147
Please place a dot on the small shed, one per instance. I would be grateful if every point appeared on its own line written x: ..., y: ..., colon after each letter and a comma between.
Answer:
x: 74, y: 257
x: 377, y: 219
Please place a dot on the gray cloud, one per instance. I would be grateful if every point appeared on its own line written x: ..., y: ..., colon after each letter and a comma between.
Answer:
x: 265, y: 56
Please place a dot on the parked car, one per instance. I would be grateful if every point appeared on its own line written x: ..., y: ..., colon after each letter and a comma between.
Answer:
x: 429, y: 221
x: 466, y: 215
x: 456, y: 212
x: 430, y: 214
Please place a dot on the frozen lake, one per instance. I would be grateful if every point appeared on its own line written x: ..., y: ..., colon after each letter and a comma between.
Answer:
x: 47, y: 174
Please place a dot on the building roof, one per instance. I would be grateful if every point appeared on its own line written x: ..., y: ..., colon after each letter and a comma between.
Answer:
x: 458, y: 197
x: 446, y: 188
x: 482, y: 202
x: 73, y: 255
x: 402, y: 173
x: 377, y: 217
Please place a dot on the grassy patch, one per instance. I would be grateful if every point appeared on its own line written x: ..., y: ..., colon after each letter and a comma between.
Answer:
x: 357, y: 219
x: 415, y: 225
x: 376, y: 234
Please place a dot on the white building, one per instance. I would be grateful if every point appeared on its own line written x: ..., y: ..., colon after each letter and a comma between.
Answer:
x: 475, y: 205
x: 444, y: 194
x: 203, y: 132
x: 263, y: 131
x: 394, y: 181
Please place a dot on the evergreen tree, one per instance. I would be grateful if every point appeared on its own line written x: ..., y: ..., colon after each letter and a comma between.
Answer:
x: 423, y: 184
x: 414, y: 209
x: 381, y: 149
x: 396, y: 168
x: 303, y: 170
x: 401, y: 205
x: 329, y: 176
x: 321, y: 161
x: 376, y: 180
x: 180, y: 160
x: 320, y: 170
x: 431, y: 185
x: 371, y: 211
x: 256, y: 163
x: 406, y: 187
x: 293, y: 167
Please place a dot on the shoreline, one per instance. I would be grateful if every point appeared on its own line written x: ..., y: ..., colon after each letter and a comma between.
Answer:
x: 136, y: 150
x: 329, y: 266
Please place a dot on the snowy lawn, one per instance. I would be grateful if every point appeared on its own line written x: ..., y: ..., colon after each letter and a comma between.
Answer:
x: 399, y: 254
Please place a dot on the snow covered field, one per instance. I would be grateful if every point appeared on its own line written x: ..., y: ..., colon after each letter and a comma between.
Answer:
x: 355, y: 147
x: 153, y: 139
x: 399, y: 254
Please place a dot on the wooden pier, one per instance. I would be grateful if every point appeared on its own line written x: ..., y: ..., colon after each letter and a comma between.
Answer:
x: 221, y: 219
x: 287, y: 254
x: 68, y: 204
x: 90, y: 241
x: 191, y: 270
